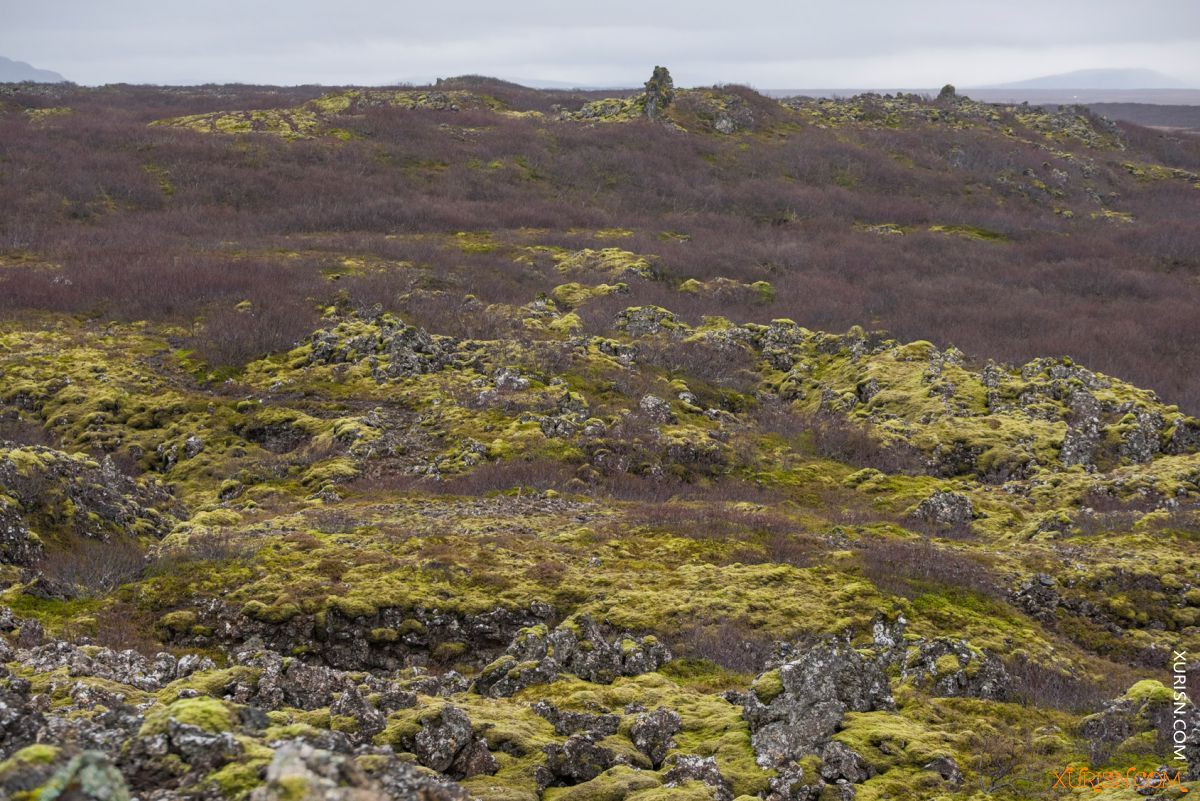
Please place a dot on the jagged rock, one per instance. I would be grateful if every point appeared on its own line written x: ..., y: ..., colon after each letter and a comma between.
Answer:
x: 17, y: 546
x: 1146, y: 707
x: 1185, y: 438
x: 447, y: 744
x: 442, y: 738
x: 946, y: 508
x: 202, y: 750
x: 887, y: 634
x: 509, y: 378
x: 1141, y: 441
x: 578, y: 759
x: 351, y: 704
x: 508, y: 676
x: 19, y: 719
x: 192, y: 446
x: 953, y: 668
x: 1039, y: 598
x: 639, y: 321
x: 865, y: 390
x: 290, y: 682
x: 1083, y: 430
x: 537, y: 656
x: 9, y: 621
x: 805, y: 702
x: 31, y: 634
x: 653, y: 733
x: 397, y: 350
x: 737, y: 115
x: 300, y: 772
x: 22, y: 777
x: 791, y: 784
x: 566, y: 723
x: 557, y: 427
x: 449, y: 683
x: 947, y: 768
x: 402, y: 780
x: 660, y: 91
x: 127, y: 666
x: 89, y: 776
x: 348, y: 642
x: 40, y: 483
x: 689, y: 768
x: 656, y: 409
x: 841, y: 763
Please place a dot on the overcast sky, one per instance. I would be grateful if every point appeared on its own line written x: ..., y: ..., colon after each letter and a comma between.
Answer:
x: 784, y: 44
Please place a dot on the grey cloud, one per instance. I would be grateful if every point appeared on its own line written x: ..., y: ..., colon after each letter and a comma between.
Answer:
x: 768, y: 43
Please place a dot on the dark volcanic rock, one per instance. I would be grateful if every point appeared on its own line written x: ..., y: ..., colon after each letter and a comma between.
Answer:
x: 653, y: 733
x: 447, y: 744
x: 566, y: 723
x: 300, y: 772
x: 813, y: 692
x: 689, y: 768
x: 841, y: 763
x: 537, y: 656
x: 578, y: 759
x: 947, y: 768
x: 946, y: 508
x: 660, y: 92
x: 955, y: 669
x: 73, y: 494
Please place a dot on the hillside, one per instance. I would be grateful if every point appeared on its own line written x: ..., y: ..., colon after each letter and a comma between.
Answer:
x: 1098, y: 79
x: 475, y: 441
x: 1184, y: 118
x: 18, y: 71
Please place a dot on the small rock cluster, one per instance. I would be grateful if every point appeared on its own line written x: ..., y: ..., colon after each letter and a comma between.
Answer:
x: 537, y: 656
x: 389, y: 347
x: 42, y: 486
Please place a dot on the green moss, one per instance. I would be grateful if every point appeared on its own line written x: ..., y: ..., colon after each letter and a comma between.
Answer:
x: 768, y: 686
x: 179, y: 622
x: 291, y: 788
x: 711, y: 725
x: 273, y: 613
x: 1149, y: 690
x: 237, y: 780
x: 969, y: 232
x: 448, y: 651
x: 614, y: 784
x: 209, y: 682
x: 688, y: 791
x: 36, y: 754
x: 353, y: 607
x: 383, y: 635
x: 947, y: 664
x: 209, y: 714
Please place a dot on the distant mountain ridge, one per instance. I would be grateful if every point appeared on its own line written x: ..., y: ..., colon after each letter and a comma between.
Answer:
x: 1097, y: 79
x: 17, y: 71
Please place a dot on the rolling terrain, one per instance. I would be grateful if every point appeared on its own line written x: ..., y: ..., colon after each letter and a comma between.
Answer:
x: 477, y: 441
